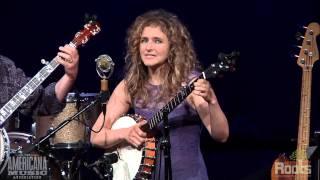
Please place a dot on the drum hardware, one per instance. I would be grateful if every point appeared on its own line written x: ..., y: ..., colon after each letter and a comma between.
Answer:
x: 66, y: 157
x: 103, y: 166
x: 67, y: 143
x: 62, y: 152
x: 18, y: 141
x: 52, y: 132
x: 69, y: 161
x: 33, y: 128
x: 76, y: 130
x: 69, y: 169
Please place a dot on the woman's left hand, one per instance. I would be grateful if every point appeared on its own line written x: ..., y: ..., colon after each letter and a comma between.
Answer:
x: 203, y: 88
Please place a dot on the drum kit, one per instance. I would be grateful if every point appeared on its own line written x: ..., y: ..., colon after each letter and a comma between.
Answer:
x: 68, y: 151
x: 59, y: 147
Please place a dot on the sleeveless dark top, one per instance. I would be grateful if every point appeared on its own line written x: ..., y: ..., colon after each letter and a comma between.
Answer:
x: 186, y: 157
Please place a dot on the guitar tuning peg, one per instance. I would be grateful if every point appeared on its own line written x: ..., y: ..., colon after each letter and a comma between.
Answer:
x: 310, y: 31
x: 299, y: 36
x: 296, y: 46
x: 44, y: 62
x: 90, y: 18
x: 235, y: 54
x: 294, y: 56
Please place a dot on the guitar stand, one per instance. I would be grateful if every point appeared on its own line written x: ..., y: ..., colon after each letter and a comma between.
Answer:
x: 165, y: 146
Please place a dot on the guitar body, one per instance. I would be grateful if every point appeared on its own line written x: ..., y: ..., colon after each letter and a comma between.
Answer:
x: 285, y: 169
x: 140, y: 163
x: 276, y: 173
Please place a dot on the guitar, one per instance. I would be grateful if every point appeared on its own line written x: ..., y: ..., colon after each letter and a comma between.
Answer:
x: 299, y: 169
x: 81, y: 37
x: 140, y: 163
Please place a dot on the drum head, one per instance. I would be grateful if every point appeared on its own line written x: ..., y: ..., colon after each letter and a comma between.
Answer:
x: 19, y: 141
x: 41, y: 166
x: 75, y: 131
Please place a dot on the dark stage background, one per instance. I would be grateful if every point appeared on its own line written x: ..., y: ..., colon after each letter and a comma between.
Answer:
x: 261, y: 98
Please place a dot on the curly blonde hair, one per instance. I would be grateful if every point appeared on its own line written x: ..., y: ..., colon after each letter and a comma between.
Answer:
x: 181, y: 59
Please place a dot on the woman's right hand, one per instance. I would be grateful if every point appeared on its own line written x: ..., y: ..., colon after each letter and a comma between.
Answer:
x: 135, y: 136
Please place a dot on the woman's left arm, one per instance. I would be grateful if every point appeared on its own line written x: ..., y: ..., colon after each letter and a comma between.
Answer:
x: 204, y: 100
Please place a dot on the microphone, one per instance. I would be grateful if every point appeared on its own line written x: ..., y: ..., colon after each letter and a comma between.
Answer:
x: 104, y: 68
x: 231, y: 56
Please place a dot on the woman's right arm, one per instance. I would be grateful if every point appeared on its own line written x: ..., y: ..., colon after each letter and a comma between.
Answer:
x: 118, y: 104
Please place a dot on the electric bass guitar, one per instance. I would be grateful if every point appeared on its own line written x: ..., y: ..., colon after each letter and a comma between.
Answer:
x: 299, y: 168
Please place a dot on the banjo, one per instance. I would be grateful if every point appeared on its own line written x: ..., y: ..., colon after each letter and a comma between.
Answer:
x: 81, y: 37
x: 139, y: 164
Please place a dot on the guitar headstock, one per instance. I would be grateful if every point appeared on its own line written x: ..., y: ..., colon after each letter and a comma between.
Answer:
x: 309, y: 53
x: 226, y: 63
x: 90, y: 29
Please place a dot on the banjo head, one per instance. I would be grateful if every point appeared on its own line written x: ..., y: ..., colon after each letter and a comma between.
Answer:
x: 4, y: 149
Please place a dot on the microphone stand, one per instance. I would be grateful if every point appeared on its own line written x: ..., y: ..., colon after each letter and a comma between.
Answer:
x: 104, y: 94
x: 45, y: 138
x: 165, y: 146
